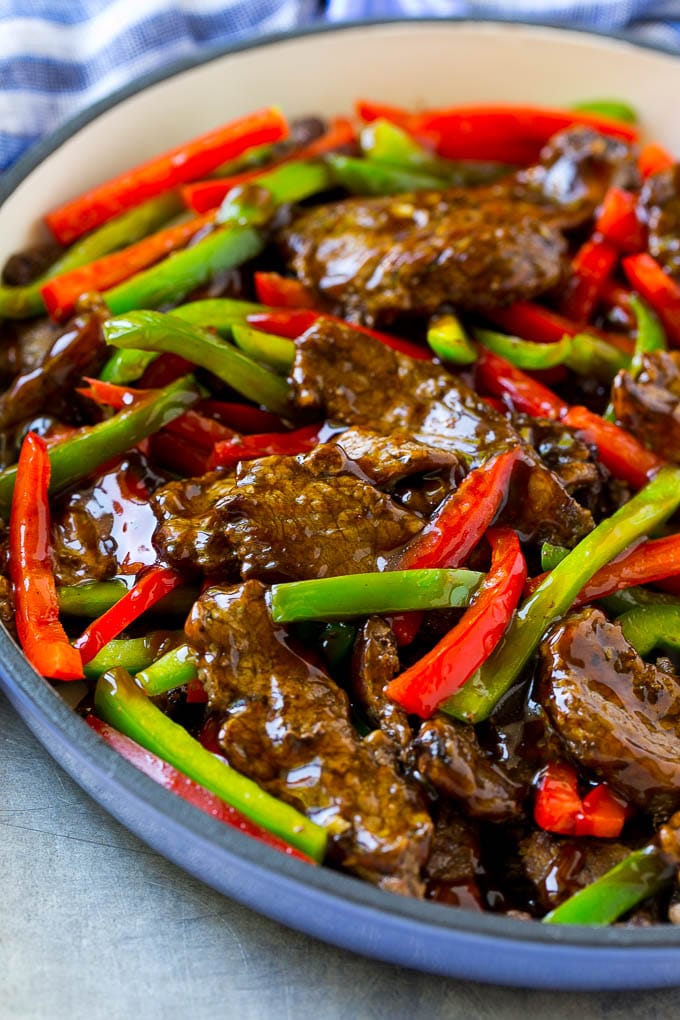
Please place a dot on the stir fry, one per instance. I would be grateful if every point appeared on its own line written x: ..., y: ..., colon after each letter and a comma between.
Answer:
x: 341, y: 468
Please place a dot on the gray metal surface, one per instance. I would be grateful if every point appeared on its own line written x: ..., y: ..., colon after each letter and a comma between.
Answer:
x: 95, y: 925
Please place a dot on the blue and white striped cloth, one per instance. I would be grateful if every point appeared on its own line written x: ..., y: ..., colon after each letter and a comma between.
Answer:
x: 58, y: 56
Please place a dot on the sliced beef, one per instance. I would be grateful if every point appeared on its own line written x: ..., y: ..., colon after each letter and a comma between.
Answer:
x: 25, y: 266
x: 449, y: 756
x: 359, y: 381
x: 452, y: 867
x: 375, y: 661
x: 105, y: 527
x: 387, y: 460
x: 372, y: 258
x: 616, y: 715
x: 559, y: 867
x: 649, y: 406
x: 283, y: 518
x: 188, y: 534
x: 659, y: 208
x: 286, y: 725
x: 577, y: 167
x: 7, y: 606
x: 77, y: 352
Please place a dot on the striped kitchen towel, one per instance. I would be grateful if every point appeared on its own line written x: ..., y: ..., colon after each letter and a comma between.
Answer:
x: 58, y: 56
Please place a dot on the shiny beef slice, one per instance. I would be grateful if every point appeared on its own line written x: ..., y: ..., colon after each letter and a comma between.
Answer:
x: 649, y: 406
x: 659, y: 208
x: 358, y: 381
x: 286, y: 725
x: 616, y: 715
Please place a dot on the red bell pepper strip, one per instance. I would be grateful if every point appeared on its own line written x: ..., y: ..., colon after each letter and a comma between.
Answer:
x: 178, y: 455
x: 293, y: 322
x: 659, y: 290
x: 453, y: 660
x: 41, y: 635
x: 533, y: 322
x: 618, y: 221
x: 558, y: 806
x: 108, y: 394
x: 241, y: 417
x: 619, y: 450
x: 229, y: 452
x: 162, y: 173
x: 149, y: 589
x: 203, y: 196
x: 283, y: 292
x: 509, y: 134
x: 456, y: 528
x: 653, y: 158
x: 172, y: 779
x: 496, y: 376
x: 165, y: 369
x: 592, y: 267
x: 61, y: 293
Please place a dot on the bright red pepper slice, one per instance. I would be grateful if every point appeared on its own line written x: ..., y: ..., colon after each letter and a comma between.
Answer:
x: 558, y: 806
x: 511, y: 134
x: 165, y: 369
x: 646, y: 276
x: 618, y: 222
x: 229, y: 452
x: 653, y: 158
x: 149, y: 589
x: 283, y: 292
x: 205, y: 195
x: 619, y: 450
x: 193, y: 159
x: 456, y: 528
x: 453, y: 660
x: 61, y: 293
x: 41, y: 635
x: 530, y: 321
x: 178, y: 455
x: 172, y: 779
x: 496, y: 376
x: 241, y: 417
x: 592, y: 267
x: 293, y: 322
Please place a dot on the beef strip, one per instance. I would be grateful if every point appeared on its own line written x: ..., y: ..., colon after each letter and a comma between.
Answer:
x: 452, y: 867
x: 477, y: 248
x: 286, y: 725
x: 284, y: 518
x: 7, y: 606
x: 188, y: 534
x: 388, y: 460
x: 449, y: 756
x: 26, y: 266
x: 659, y: 208
x: 616, y: 715
x: 105, y: 527
x: 77, y: 352
x: 372, y: 258
x: 359, y: 381
x: 559, y: 867
x: 375, y: 661
x: 649, y: 406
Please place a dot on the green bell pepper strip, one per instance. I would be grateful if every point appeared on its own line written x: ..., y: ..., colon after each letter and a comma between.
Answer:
x: 383, y: 142
x: 220, y: 314
x: 341, y: 598
x: 366, y: 177
x: 591, y: 356
x: 122, y: 704
x: 131, y: 226
x: 173, y: 669
x: 615, y: 109
x: 643, y: 873
x: 449, y: 341
x: 153, y: 331
x: 132, y: 654
x: 649, y: 508
x: 335, y: 642
x: 524, y: 354
x: 91, y: 598
x: 273, y: 351
x: 651, y: 335
x: 169, y: 281
x: 618, y: 602
x: 650, y: 627
x: 90, y: 447
x: 254, y: 203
